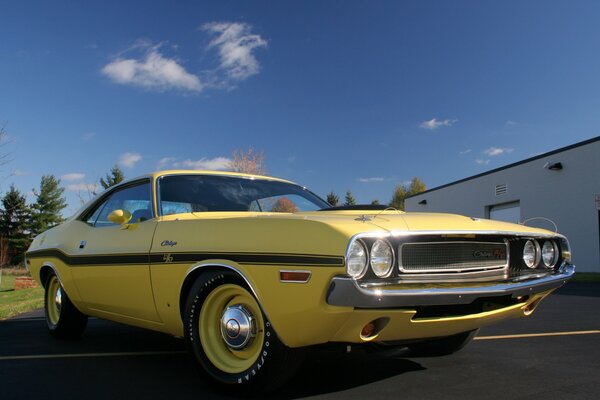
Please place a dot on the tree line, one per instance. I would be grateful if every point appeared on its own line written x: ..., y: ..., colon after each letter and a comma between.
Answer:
x: 401, y: 192
x: 20, y: 222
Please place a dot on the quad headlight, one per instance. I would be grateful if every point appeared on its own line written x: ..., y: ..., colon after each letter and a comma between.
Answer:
x: 375, y: 252
x: 549, y: 254
x: 356, y: 261
x: 531, y: 253
x: 382, y: 258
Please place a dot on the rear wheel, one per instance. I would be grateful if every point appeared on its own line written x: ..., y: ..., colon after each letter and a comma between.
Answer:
x: 63, y: 319
x: 231, y: 337
x: 443, y: 346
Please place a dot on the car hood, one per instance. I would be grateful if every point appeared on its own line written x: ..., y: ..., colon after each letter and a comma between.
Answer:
x: 411, y: 222
x: 356, y: 221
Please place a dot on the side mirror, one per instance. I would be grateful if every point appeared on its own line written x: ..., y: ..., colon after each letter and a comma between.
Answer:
x: 120, y: 217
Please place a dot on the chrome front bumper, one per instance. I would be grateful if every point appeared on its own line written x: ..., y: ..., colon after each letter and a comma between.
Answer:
x: 347, y: 292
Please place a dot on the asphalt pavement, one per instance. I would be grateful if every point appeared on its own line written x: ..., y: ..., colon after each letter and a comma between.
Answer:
x: 554, y: 354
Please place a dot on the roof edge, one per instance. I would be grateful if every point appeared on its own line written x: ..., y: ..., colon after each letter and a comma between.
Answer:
x: 550, y: 153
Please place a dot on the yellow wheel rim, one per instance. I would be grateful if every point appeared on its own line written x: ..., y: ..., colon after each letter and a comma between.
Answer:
x: 215, y: 347
x: 54, y: 300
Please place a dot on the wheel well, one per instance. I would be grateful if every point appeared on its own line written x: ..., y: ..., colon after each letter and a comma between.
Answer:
x: 193, y: 277
x: 44, y: 272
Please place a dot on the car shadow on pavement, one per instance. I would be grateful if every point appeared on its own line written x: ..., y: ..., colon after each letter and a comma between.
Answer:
x: 324, y: 372
x: 585, y: 289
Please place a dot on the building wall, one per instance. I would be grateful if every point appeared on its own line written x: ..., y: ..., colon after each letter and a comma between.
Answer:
x: 566, y: 196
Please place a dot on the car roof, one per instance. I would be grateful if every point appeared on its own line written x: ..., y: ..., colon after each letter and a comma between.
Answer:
x: 154, y: 175
x: 157, y: 174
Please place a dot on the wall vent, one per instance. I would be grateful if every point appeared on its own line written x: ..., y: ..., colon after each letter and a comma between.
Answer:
x: 501, y: 189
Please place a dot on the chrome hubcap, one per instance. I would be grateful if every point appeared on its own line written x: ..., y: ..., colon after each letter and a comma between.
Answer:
x: 58, y: 300
x: 238, y: 327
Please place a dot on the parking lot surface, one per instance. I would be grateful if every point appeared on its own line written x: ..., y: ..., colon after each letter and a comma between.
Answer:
x: 554, y: 354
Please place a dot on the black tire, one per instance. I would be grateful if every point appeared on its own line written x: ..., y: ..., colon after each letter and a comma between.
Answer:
x: 442, y: 346
x: 63, y: 319
x: 269, y: 363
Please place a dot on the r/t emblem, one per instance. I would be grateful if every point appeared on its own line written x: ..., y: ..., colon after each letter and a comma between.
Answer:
x: 167, y: 258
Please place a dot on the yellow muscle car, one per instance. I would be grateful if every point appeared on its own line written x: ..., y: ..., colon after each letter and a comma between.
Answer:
x: 249, y: 269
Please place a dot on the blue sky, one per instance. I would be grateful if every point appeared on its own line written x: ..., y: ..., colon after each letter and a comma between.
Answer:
x: 338, y: 94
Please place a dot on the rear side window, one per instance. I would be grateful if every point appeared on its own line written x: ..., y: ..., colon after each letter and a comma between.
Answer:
x: 135, y: 199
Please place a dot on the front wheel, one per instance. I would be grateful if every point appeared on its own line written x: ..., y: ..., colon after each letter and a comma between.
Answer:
x: 227, y: 331
x: 443, y: 346
x: 63, y: 319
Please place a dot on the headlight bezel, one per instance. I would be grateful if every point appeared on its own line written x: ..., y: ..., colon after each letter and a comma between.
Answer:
x: 390, y: 268
x: 536, y: 255
x: 365, y: 267
x: 555, y: 254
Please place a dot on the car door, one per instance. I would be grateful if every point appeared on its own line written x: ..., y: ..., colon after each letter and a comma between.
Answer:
x: 113, y: 271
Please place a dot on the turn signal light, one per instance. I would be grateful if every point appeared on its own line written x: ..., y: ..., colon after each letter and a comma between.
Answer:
x: 294, y: 276
x: 367, y: 330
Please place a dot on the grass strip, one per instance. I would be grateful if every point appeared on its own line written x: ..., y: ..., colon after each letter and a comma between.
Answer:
x: 14, y: 302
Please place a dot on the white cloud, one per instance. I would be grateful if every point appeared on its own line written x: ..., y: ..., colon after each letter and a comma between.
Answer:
x: 129, y: 159
x: 467, y: 151
x: 217, y: 163
x: 236, y: 43
x: 152, y: 71
x: 18, y: 172
x: 496, y: 151
x: 482, y: 161
x: 83, y: 187
x: 73, y: 176
x: 164, y: 162
x: 510, y: 122
x: 435, y: 123
x: 372, y: 179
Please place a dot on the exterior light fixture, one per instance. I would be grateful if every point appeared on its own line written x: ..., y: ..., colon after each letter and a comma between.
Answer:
x: 555, y: 167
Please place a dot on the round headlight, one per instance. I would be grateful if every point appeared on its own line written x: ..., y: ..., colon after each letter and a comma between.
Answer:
x: 531, y: 253
x: 382, y: 258
x: 356, y: 262
x: 549, y: 254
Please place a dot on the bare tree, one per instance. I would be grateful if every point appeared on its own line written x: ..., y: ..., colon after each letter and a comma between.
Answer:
x: 87, y: 194
x: 3, y: 155
x: 4, y: 257
x: 284, y: 205
x: 248, y: 162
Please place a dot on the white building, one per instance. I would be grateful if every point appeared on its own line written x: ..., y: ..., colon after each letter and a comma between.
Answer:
x: 562, y: 185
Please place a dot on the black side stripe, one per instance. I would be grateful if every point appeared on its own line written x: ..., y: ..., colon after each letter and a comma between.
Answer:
x: 167, y: 258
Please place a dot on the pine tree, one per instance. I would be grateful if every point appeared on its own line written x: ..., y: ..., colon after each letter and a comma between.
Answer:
x: 115, y: 176
x: 14, y: 225
x: 333, y: 199
x: 375, y: 202
x: 46, y: 211
x: 349, y: 199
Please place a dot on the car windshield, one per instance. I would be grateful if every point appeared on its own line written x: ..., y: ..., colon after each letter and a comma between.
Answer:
x: 205, y: 193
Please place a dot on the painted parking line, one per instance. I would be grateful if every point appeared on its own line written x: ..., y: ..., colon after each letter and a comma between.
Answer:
x: 83, y: 355
x: 530, y: 335
x: 161, y: 353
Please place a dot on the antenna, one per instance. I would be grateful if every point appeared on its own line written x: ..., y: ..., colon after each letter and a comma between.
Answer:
x: 543, y: 219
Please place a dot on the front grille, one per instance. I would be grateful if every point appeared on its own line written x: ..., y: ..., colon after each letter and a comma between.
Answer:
x: 444, y: 257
